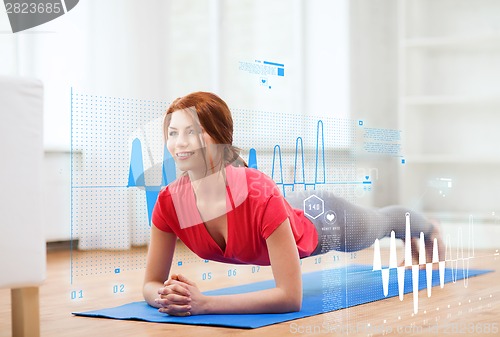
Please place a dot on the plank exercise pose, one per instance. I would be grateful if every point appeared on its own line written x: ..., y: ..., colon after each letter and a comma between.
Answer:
x: 224, y: 211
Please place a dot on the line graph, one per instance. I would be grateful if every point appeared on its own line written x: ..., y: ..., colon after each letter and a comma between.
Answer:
x: 119, y: 164
x: 136, y: 174
x: 299, y: 167
x: 299, y: 170
x: 415, y: 269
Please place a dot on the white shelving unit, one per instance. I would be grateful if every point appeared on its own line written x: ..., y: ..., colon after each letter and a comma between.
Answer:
x: 449, y: 106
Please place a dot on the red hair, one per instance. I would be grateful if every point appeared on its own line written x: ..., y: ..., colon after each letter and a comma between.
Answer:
x: 214, y: 117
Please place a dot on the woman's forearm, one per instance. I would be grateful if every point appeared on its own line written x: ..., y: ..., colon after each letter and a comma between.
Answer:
x: 285, y: 297
x: 150, y: 292
x: 274, y: 300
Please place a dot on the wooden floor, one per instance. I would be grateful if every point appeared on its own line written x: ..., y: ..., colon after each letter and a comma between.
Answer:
x: 78, y: 281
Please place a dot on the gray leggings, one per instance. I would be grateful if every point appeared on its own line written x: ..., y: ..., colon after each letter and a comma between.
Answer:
x: 343, y: 226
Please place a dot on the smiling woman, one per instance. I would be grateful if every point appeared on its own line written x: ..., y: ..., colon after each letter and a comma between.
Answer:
x: 224, y: 211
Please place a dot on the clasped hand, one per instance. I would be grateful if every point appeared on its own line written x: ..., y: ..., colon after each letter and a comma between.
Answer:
x: 180, y: 297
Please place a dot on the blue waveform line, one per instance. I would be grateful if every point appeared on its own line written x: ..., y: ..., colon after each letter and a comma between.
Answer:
x: 320, y: 123
x: 136, y: 175
x: 252, y: 158
x: 299, y: 157
x: 299, y: 174
x: 136, y: 171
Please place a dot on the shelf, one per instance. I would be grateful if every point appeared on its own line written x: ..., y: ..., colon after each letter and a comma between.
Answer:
x: 54, y: 149
x: 479, y: 217
x: 451, y: 99
x: 452, y: 159
x: 486, y: 40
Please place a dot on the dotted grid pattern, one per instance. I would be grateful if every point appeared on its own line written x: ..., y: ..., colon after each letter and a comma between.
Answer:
x: 337, y: 136
x: 106, y: 214
x: 265, y: 129
x: 357, y: 225
x: 342, y: 135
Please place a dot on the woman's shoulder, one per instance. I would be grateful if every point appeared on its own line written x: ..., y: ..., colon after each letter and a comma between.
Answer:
x: 250, y: 174
x: 250, y: 182
x: 179, y: 185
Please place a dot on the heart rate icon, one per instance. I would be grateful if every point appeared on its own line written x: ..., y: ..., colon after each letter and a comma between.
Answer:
x: 24, y: 14
x: 330, y: 217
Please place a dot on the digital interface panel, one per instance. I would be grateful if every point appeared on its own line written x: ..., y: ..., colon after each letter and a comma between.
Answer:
x: 120, y: 163
x: 393, y: 102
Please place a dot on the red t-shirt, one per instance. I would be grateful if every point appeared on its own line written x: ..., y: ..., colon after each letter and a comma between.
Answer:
x: 254, y: 208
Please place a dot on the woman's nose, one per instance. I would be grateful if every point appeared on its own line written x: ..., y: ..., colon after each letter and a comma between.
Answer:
x: 181, y: 140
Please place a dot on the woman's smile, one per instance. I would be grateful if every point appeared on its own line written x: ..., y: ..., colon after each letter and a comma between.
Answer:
x: 184, y: 155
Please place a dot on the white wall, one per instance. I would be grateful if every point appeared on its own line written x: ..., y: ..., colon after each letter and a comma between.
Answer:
x: 374, y: 83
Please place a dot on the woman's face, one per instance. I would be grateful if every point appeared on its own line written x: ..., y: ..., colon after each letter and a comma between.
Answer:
x: 190, y: 146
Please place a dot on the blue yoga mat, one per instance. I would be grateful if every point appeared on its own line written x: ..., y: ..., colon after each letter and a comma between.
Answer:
x: 324, y: 291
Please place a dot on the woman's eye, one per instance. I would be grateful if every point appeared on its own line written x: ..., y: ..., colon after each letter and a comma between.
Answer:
x: 172, y: 133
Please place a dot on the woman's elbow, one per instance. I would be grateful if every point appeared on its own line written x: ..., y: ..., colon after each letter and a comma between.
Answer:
x: 295, y: 306
x: 145, y: 292
x: 149, y: 292
x: 293, y: 303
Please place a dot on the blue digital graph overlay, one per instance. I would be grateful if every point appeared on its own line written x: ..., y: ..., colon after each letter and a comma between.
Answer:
x: 120, y: 163
x: 136, y: 175
x: 168, y: 170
